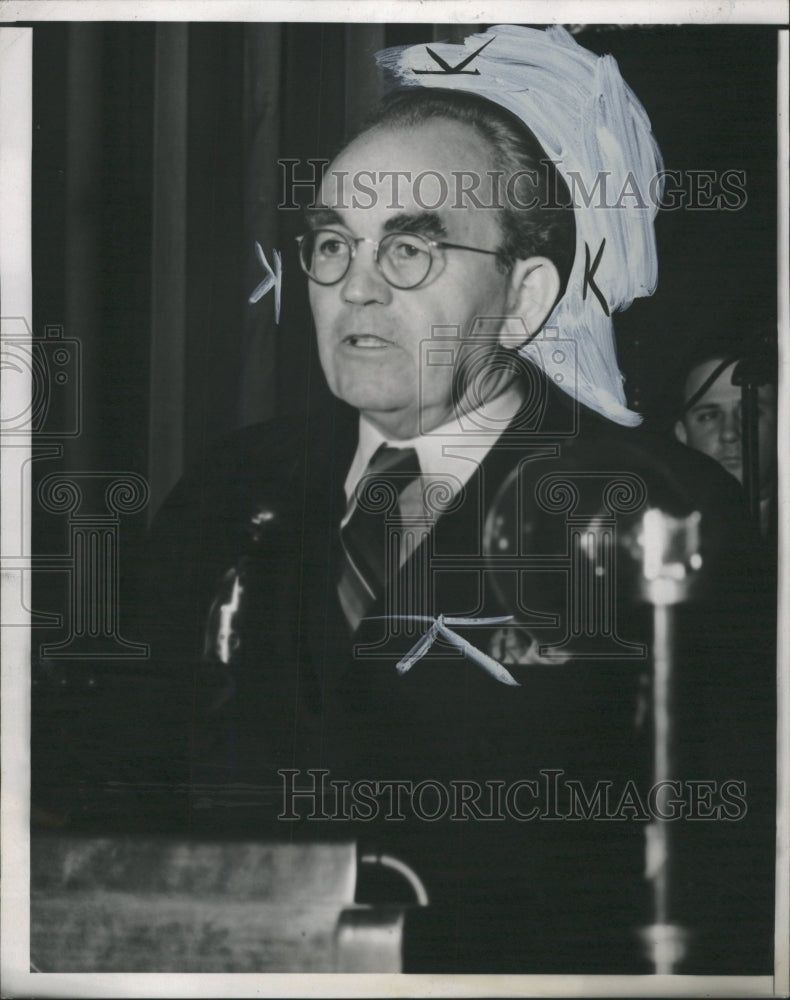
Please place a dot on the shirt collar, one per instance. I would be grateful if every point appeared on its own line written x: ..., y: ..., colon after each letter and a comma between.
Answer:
x: 453, y: 450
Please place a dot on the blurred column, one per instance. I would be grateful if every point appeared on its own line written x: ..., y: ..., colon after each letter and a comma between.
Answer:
x: 456, y: 33
x: 261, y: 130
x: 82, y: 264
x: 363, y: 41
x: 168, y: 261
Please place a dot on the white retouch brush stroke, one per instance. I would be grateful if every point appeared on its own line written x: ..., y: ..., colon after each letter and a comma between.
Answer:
x: 590, y: 123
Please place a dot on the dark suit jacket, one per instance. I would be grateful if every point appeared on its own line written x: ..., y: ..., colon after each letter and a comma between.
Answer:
x: 507, y: 894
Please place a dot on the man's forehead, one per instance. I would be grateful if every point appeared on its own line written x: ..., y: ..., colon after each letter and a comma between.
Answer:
x: 720, y: 388
x: 439, y: 143
x: 721, y: 392
x: 425, y: 167
x: 386, y: 189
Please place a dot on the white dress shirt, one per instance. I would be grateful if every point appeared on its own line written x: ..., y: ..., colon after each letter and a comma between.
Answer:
x: 449, y: 454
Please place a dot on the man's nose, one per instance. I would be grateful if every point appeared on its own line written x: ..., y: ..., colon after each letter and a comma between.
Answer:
x: 731, y: 427
x: 365, y: 284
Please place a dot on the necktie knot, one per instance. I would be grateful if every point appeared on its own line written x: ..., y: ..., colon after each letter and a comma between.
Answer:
x: 389, y: 472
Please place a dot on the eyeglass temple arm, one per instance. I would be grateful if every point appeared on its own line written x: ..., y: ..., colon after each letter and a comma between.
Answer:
x: 460, y: 246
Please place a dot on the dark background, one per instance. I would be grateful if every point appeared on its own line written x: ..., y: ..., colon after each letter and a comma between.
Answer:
x: 155, y: 170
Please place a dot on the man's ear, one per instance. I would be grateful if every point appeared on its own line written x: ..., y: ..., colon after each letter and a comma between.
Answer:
x: 534, y: 287
x: 680, y: 432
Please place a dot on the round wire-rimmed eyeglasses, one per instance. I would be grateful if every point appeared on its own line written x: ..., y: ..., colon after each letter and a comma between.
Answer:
x: 404, y: 259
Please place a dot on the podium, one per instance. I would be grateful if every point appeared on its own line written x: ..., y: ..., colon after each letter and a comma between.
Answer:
x: 132, y: 904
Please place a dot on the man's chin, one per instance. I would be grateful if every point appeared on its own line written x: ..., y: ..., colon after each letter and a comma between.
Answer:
x: 734, y: 467
x: 389, y: 415
x: 373, y: 401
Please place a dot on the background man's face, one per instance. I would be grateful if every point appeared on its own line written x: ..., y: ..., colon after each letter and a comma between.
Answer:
x: 713, y: 424
x: 369, y: 333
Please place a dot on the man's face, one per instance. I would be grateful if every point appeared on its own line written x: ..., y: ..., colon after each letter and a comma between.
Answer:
x: 713, y: 424
x: 369, y: 333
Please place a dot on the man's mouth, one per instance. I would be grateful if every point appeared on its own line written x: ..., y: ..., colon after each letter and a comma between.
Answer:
x: 734, y: 465
x: 366, y: 341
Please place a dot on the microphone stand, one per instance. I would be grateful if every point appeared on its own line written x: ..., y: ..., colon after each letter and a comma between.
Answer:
x: 670, y: 557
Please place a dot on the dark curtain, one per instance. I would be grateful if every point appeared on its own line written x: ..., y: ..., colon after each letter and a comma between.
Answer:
x: 156, y: 170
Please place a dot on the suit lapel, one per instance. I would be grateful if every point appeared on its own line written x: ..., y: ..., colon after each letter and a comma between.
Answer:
x: 459, y: 535
x: 454, y: 550
x: 323, y: 629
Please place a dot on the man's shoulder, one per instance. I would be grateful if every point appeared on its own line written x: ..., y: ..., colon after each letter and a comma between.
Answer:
x: 668, y: 466
x: 261, y: 489
x: 589, y: 442
x: 295, y: 435
x: 638, y: 468
x: 699, y: 477
x: 278, y: 455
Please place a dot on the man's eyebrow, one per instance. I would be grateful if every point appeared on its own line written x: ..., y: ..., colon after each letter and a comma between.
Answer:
x: 320, y: 215
x: 424, y: 223
x: 699, y: 407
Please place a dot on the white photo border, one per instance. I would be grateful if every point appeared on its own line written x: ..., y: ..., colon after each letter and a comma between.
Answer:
x: 16, y: 292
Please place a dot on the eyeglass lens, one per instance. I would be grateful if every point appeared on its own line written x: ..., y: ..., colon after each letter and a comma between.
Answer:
x: 404, y: 258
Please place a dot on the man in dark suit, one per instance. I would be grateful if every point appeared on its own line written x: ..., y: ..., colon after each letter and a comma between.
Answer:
x: 307, y: 563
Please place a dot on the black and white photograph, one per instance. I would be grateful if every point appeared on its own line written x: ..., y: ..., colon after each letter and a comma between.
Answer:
x: 392, y: 547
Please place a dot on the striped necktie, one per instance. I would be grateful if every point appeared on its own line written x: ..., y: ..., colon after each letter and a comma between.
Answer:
x: 370, y: 559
